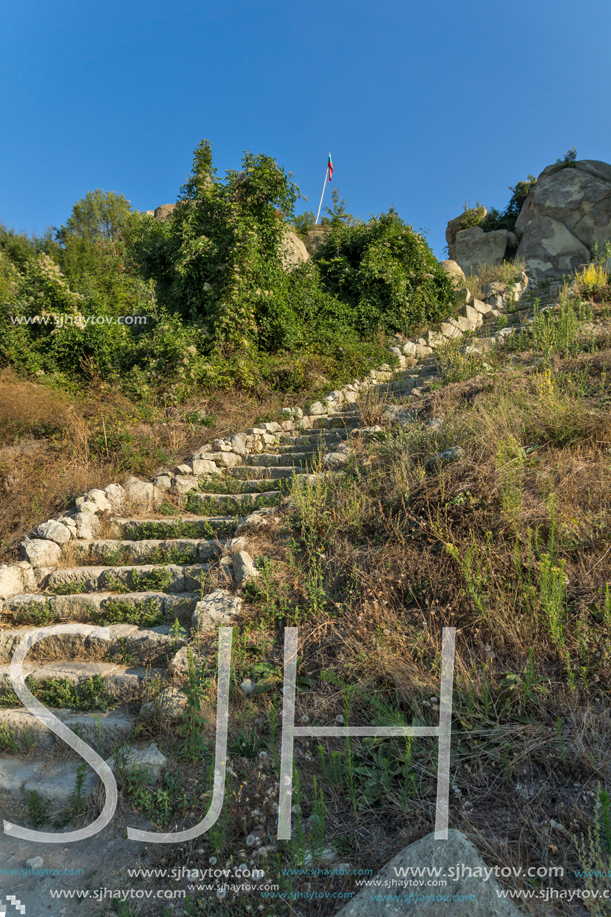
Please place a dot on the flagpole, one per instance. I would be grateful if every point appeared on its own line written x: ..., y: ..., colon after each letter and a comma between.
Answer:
x: 322, y: 195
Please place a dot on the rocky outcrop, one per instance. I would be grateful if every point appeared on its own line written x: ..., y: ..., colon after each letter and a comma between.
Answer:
x: 294, y: 251
x: 457, y: 224
x: 565, y: 215
x: 472, y: 892
x: 454, y: 270
x: 315, y: 238
x: 164, y: 211
x: 474, y: 247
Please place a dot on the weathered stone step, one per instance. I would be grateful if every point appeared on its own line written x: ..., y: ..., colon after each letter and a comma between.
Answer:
x: 123, y: 683
x: 335, y: 421
x: 278, y: 460
x: 152, y: 609
x: 144, y: 528
x: 253, y: 474
x: 171, y: 578
x: 243, y: 503
x: 312, y: 439
x: 127, y: 641
x: 149, y: 551
x: 55, y: 780
x: 104, y: 731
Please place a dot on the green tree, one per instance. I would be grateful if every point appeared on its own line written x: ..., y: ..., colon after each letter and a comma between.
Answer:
x: 100, y: 215
x: 338, y: 215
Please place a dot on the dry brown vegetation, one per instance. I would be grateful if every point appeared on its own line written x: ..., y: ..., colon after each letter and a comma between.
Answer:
x: 510, y: 546
x: 55, y: 445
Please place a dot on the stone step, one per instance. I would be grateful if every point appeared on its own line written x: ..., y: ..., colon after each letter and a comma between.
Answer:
x: 243, y: 503
x: 124, y: 683
x: 54, y: 782
x: 152, y: 609
x: 335, y: 421
x: 278, y: 460
x: 144, y: 528
x: 168, y: 578
x: 312, y: 439
x: 57, y: 780
x: 252, y: 474
x: 149, y: 551
x: 104, y: 731
x: 154, y: 646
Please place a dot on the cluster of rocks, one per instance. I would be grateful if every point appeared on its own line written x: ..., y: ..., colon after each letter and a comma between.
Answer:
x: 473, y: 314
x: 565, y: 216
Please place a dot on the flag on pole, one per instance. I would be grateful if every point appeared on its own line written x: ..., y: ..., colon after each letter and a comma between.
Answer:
x: 330, y: 167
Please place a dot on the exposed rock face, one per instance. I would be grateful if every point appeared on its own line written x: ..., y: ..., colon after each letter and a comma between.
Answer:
x: 567, y: 212
x: 475, y: 247
x: 294, y: 251
x: 315, y: 238
x: 455, y: 271
x: 164, y: 211
x: 454, y: 227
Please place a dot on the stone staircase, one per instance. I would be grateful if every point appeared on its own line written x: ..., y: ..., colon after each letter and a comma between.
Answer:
x: 153, y: 580
x: 159, y: 562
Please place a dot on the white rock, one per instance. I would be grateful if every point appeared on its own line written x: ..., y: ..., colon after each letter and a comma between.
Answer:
x: 86, y: 506
x: 100, y: 499
x: 41, y: 553
x: 170, y: 704
x: 243, y: 567
x: 35, y: 862
x: 16, y: 579
x: 142, y: 495
x: 317, y: 408
x: 334, y: 460
x: 115, y: 496
x: 238, y: 443
x: 53, y: 531
x: 163, y: 482
x: 87, y: 526
x: 237, y: 544
x: 204, y: 466
x: 183, y: 484
x: 131, y: 759
x: 216, y: 609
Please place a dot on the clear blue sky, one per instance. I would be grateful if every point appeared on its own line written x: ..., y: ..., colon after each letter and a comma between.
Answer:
x: 423, y: 105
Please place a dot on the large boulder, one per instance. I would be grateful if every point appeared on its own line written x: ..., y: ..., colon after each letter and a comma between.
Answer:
x: 164, y: 211
x: 455, y: 226
x: 293, y: 250
x: 454, y: 270
x: 475, y: 247
x: 315, y: 238
x: 565, y: 215
x: 549, y: 249
x: 469, y: 890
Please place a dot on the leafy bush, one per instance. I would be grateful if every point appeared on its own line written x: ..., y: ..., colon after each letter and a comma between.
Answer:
x: 386, y: 274
x: 494, y: 219
x: 217, y: 304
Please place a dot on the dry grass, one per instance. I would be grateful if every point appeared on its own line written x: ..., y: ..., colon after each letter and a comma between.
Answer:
x: 55, y: 445
x: 507, y: 272
x: 371, y: 565
x: 370, y: 583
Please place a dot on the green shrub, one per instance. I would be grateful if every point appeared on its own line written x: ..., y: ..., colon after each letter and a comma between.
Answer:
x: 386, y: 274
